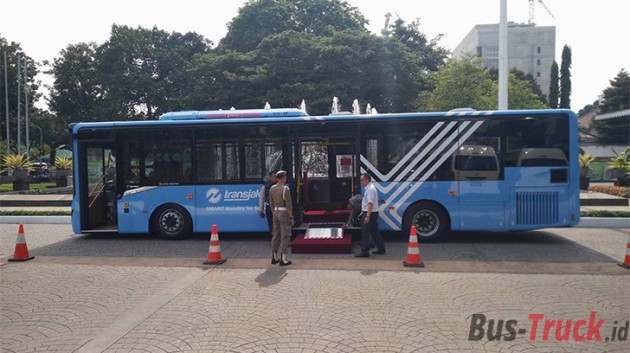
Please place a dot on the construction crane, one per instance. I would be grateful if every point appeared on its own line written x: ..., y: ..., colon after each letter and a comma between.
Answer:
x: 531, y: 10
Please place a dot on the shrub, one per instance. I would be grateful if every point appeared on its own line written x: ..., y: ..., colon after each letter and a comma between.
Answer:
x: 605, y: 213
x: 620, y: 191
x: 14, y: 162
x: 63, y: 163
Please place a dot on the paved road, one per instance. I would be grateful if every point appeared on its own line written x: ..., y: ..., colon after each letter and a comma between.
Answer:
x: 110, y: 304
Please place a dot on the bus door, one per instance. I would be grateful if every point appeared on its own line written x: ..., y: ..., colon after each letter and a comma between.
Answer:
x: 98, y: 187
x: 326, y: 172
x: 478, y: 169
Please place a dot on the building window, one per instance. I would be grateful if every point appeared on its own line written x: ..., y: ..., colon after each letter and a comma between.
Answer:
x: 538, y: 50
x: 538, y: 74
x: 538, y: 62
x: 479, y: 51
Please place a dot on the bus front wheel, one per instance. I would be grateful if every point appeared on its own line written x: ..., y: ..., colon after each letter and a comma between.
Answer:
x: 172, y: 222
x: 430, y: 220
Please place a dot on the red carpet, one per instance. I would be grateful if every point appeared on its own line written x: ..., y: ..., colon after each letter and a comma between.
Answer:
x: 300, y: 245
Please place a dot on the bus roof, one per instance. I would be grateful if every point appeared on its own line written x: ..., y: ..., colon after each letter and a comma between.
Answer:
x: 261, y: 116
x: 234, y: 114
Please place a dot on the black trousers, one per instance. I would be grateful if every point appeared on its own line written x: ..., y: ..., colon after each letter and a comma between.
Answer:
x: 371, y: 228
x: 269, y: 216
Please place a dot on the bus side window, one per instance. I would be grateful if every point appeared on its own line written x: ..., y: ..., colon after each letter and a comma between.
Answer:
x: 533, y: 142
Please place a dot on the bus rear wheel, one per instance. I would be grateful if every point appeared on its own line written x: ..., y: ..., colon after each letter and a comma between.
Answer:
x: 172, y: 222
x: 430, y: 220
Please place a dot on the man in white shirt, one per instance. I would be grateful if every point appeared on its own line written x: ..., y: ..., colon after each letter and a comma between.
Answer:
x: 369, y: 219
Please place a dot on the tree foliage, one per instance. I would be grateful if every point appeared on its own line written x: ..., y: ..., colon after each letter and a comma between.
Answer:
x: 432, y: 56
x: 259, y: 19
x: 77, y: 93
x: 616, y: 97
x: 464, y: 83
x: 291, y: 66
x: 554, y: 86
x: 461, y: 83
x: 137, y: 73
x: 143, y: 70
x: 280, y: 51
x: 565, y: 78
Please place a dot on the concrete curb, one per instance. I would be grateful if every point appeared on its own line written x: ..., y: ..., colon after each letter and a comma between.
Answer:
x: 585, y: 222
x: 35, y: 219
x: 604, y: 222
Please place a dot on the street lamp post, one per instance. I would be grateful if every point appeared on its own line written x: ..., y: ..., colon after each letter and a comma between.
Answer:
x: 503, y: 58
x: 41, y: 138
x: 6, y: 105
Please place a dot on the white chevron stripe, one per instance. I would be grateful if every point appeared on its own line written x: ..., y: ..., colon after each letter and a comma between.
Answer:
x: 425, y: 151
x: 382, y: 214
x: 435, y: 166
x: 387, y: 188
x: 426, y: 163
x: 402, y: 162
x: 386, y: 212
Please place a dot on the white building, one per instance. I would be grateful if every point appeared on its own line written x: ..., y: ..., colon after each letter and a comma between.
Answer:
x: 531, y: 49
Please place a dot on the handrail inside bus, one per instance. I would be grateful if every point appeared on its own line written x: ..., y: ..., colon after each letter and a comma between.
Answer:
x: 91, y: 193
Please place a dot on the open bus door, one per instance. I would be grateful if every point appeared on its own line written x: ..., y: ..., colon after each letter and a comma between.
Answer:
x: 326, y: 172
x: 98, y: 187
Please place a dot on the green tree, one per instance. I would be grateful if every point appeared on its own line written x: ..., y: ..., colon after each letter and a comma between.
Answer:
x: 461, y: 83
x: 141, y: 70
x: 522, y: 93
x: 554, y: 87
x: 565, y: 78
x: 137, y: 74
x: 616, y: 97
x: 76, y: 92
x: 259, y: 19
x: 464, y: 83
x: 290, y: 66
x: 432, y: 56
x: 522, y: 76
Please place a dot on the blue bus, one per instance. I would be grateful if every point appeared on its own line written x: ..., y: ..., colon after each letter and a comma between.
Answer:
x: 462, y: 170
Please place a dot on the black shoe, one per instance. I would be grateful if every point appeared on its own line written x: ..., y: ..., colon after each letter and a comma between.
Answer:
x: 274, y: 261
x: 285, y: 262
x: 362, y: 254
x: 379, y: 252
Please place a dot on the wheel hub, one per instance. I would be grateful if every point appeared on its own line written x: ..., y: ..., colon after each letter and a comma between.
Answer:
x: 171, y: 221
x: 427, y: 222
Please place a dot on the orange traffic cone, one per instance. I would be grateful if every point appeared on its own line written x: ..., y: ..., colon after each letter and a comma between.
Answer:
x: 21, y: 250
x: 626, y: 261
x: 413, y: 251
x: 214, y: 251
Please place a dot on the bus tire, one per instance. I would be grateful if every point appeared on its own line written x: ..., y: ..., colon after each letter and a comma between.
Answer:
x: 171, y: 222
x: 431, y: 221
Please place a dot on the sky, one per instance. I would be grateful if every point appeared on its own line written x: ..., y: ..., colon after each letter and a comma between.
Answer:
x: 596, y: 31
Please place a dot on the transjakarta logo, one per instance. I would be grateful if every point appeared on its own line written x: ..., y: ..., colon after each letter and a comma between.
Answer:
x: 214, y: 195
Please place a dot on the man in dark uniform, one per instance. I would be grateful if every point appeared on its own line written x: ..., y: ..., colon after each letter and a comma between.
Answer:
x: 282, y: 209
x: 264, y: 210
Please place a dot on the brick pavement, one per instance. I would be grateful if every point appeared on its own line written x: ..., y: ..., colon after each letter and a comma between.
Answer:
x: 118, y: 309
